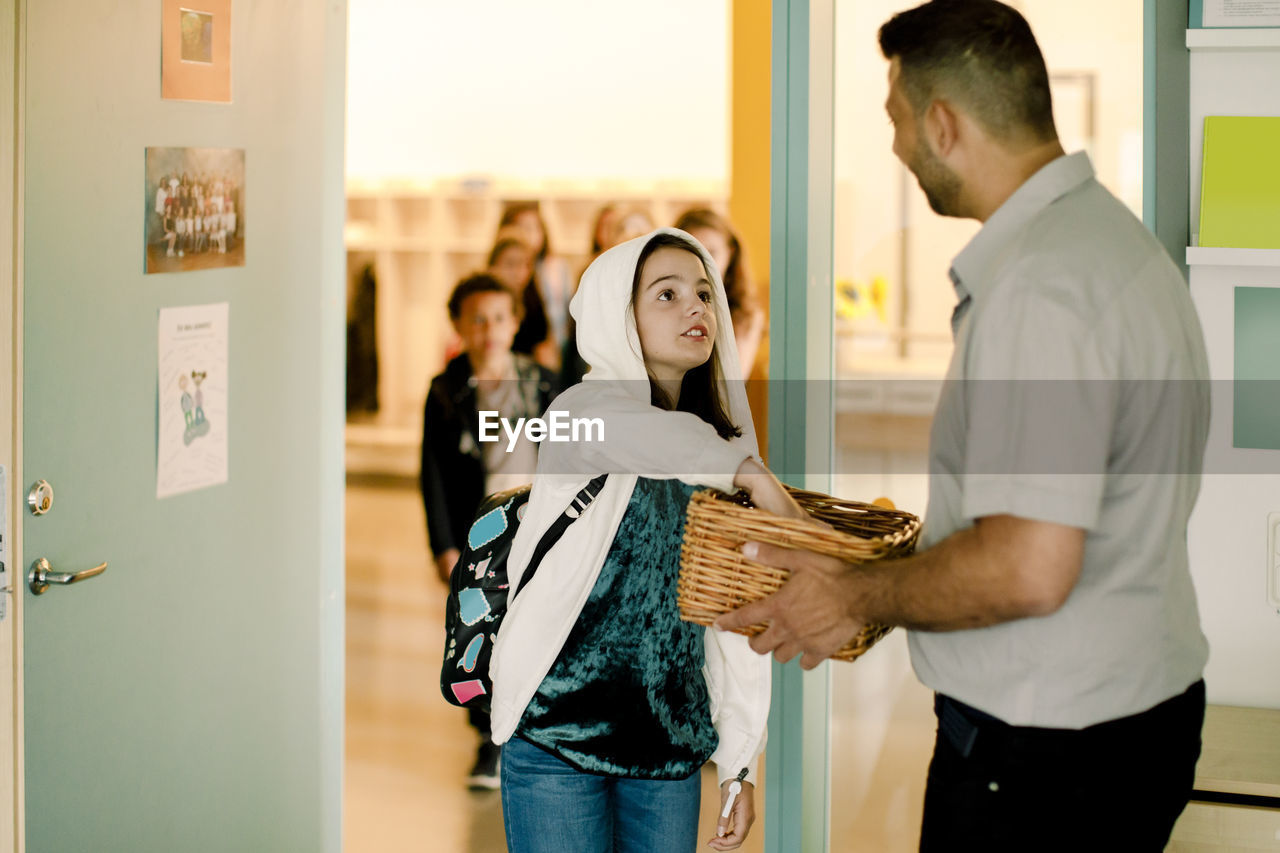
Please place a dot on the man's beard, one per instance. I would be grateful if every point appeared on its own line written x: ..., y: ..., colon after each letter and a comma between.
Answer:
x: 941, y: 186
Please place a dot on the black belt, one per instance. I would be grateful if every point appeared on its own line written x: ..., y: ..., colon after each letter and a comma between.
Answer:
x: 961, y: 723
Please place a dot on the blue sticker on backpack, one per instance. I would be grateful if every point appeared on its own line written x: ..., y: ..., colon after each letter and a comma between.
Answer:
x: 468, y: 661
x: 472, y: 606
x: 487, y: 528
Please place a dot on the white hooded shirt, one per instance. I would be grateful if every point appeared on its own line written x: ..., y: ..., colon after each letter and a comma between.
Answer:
x: 639, y: 440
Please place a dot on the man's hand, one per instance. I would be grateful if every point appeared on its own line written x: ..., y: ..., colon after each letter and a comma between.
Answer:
x: 445, y: 562
x: 1000, y: 569
x: 732, y: 831
x: 812, y: 615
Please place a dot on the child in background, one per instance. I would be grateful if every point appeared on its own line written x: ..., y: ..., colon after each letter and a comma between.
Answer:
x: 511, y: 262
x: 630, y: 222
x: 717, y: 235
x: 545, y: 324
x: 602, y: 229
x: 606, y: 702
x: 458, y: 470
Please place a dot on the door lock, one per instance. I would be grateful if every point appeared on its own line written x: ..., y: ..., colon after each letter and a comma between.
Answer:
x: 40, y: 498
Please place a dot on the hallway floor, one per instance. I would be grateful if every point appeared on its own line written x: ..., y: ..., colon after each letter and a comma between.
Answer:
x: 408, y: 751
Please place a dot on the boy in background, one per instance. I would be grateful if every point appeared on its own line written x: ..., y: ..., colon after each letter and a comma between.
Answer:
x: 457, y: 470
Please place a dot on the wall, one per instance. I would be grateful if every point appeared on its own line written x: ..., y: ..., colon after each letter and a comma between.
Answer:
x: 1228, y: 534
x: 556, y: 89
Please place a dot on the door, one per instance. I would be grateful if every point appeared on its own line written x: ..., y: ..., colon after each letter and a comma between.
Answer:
x: 189, y: 696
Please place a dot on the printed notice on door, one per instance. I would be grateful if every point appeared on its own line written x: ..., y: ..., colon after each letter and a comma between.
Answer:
x: 192, y: 404
x: 1241, y: 13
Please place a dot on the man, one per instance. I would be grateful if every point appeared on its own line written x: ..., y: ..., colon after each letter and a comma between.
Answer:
x: 1051, y: 606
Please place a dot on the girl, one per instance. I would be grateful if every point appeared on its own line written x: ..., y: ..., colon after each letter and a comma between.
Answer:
x: 546, y: 294
x: 607, y: 703
x: 511, y: 262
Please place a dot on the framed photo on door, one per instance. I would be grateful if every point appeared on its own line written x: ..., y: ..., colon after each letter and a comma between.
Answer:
x: 195, y: 50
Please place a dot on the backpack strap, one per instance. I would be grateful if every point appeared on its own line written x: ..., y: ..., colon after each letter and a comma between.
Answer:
x: 576, y: 507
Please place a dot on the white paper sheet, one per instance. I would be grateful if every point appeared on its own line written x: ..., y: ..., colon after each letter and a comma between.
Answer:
x: 1241, y: 13
x: 193, y: 381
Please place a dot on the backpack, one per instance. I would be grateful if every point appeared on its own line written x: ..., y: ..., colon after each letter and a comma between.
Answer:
x: 479, y: 589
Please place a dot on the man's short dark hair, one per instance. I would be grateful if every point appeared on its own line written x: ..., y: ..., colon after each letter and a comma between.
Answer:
x: 479, y: 283
x: 981, y: 55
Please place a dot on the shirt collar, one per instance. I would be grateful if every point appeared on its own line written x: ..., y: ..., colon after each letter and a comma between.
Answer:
x: 970, y: 271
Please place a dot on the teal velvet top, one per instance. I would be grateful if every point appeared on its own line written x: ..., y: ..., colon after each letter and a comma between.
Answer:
x: 626, y: 696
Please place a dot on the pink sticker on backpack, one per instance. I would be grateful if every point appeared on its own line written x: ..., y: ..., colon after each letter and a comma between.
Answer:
x: 465, y: 691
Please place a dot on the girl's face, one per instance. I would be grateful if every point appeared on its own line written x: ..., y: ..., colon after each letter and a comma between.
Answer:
x: 605, y: 223
x: 674, y: 313
x: 716, y: 244
x: 631, y: 225
x: 529, y: 229
x: 514, y: 267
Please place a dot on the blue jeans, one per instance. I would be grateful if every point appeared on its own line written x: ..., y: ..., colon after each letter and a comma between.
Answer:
x: 550, y: 807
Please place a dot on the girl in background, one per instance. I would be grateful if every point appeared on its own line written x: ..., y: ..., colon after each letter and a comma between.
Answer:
x: 546, y: 295
x: 511, y: 262
x: 720, y: 239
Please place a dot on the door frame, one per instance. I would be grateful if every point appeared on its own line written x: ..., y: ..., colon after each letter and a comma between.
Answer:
x: 797, y: 771
x: 801, y: 365
x: 12, y: 838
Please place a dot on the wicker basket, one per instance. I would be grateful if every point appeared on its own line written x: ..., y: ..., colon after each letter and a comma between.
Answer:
x: 715, y: 578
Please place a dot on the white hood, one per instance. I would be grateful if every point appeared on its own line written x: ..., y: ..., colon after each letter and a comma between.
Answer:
x: 609, y: 342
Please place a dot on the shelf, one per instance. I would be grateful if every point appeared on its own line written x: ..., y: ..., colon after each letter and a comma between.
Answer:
x: 363, y: 242
x: 1235, y: 38
x: 425, y: 236
x: 1215, y: 256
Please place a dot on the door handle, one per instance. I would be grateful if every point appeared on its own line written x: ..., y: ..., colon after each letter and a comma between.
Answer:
x: 42, y: 574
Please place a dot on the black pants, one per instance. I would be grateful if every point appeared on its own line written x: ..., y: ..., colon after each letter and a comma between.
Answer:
x: 1118, y: 785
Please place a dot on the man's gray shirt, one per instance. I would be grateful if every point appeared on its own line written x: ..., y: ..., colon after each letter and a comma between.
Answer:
x: 1077, y: 394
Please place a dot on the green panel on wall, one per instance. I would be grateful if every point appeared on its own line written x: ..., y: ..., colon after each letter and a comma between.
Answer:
x: 1257, y: 373
x: 1240, y: 193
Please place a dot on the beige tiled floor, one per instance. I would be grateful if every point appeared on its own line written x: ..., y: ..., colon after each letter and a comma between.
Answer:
x: 407, y: 751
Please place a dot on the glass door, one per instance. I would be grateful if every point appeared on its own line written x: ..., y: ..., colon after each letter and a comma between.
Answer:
x: 890, y: 323
x: 860, y: 304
